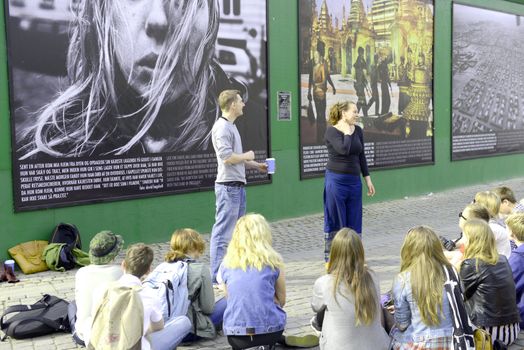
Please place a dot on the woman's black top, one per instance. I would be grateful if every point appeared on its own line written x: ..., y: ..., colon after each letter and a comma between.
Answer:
x: 346, y: 152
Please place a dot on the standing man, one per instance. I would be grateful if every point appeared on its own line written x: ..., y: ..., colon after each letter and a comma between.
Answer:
x: 385, y: 83
x: 231, y: 176
x: 318, y: 79
x: 374, y: 86
x: 360, y: 81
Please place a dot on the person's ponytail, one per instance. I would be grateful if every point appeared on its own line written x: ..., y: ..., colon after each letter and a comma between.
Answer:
x: 335, y: 112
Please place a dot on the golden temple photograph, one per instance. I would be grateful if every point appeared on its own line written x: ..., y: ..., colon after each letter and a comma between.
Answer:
x: 376, y: 53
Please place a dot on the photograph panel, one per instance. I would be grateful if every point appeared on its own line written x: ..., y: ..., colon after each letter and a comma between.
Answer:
x: 116, y: 99
x: 377, y: 54
x: 487, y: 83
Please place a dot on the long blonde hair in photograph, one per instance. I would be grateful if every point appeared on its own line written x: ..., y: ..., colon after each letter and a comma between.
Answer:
x: 67, y: 126
x: 423, y: 257
x: 251, y: 245
x: 481, y: 242
x: 348, y: 267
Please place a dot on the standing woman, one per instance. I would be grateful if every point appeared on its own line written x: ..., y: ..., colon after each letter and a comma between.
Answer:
x: 489, y: 289
x: 347, y: 160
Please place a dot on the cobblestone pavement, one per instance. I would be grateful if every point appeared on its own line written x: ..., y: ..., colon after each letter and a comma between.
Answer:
x: 300, y: 242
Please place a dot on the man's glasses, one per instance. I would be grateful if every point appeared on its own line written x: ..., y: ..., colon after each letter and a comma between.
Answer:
x: 462, y: 216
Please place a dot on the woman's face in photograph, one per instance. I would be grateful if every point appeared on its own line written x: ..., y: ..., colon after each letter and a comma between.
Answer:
x: 141, y: 31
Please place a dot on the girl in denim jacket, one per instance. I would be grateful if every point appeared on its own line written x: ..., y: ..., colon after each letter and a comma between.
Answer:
x: 422, y: 313
x: 253, y: 276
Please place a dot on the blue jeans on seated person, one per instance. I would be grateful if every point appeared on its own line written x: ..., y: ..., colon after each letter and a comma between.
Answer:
x: 174, y: 331
x: 230, y: 206
x: 71, y: 314
x: 217, y: 316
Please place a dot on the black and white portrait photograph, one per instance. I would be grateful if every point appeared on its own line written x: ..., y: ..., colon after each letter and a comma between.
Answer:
x: 96, y: 85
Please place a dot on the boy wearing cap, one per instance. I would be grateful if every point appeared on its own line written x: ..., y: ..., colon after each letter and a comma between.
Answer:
x: 103, y: 249
x: 157, y: 335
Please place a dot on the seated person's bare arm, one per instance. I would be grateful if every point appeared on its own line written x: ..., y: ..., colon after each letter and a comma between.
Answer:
x: 280, y: 289
x: 156, y: 326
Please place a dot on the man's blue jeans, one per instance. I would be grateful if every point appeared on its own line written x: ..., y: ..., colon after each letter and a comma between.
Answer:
x: 230, y: 206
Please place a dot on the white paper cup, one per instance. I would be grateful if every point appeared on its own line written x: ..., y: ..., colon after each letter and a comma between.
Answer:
x: 10, y: 263
x: 270, y: 165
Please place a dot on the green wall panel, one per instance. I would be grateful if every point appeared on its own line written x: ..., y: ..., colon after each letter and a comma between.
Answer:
x: 153, y: 219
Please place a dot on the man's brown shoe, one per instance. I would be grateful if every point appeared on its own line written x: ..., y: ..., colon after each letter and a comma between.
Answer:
x: 3, y: 275
x: 10, y: 274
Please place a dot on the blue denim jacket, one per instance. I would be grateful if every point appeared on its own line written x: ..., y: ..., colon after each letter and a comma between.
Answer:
x: 407, y: 314
x: 251, y: 307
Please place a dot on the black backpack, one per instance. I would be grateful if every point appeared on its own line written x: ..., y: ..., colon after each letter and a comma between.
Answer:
x: 48, y: 315
x: 68, y: 234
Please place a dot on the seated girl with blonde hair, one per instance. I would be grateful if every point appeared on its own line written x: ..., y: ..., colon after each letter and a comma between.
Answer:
x: 491, y: 201
x: 350, y: 295
x: 489, y: 289
x: 422, y: 312
x: 205, y: 316
x: 471, y: 211
x: 252, y: 273
x: 252, y: 276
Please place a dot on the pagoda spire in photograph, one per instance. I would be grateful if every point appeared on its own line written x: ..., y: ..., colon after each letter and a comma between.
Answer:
x: 357, y: 16
x: 324, y: 18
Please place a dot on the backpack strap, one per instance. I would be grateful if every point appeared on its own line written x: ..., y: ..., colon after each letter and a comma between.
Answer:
x: 462, y: 327
x: 17, y: 308
x: 453, y: 275
x: 22, y: 308
x: 169, y: 290
x: 50, y: 323
x: 54, y: 233
x: 41, y: 304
